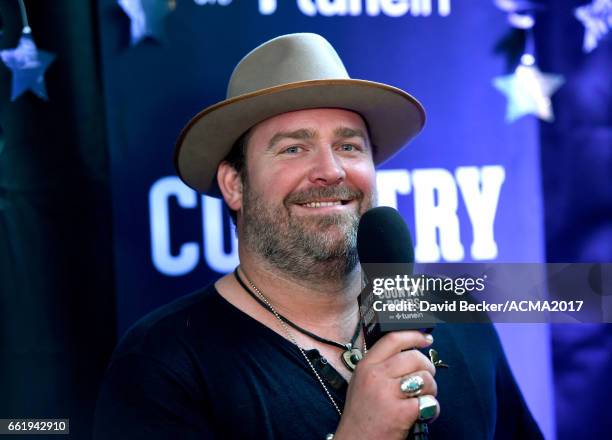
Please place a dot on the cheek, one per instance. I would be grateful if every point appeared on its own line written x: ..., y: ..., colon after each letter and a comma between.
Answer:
x: 364, y: 177
x: 275, y: 182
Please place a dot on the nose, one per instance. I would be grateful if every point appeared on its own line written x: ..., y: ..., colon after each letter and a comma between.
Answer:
x: 327, y: 168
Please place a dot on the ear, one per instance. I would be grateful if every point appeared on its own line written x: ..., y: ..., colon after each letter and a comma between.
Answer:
x: 230, y: 184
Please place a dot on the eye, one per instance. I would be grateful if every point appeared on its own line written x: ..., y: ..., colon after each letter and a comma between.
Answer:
x: 293, y: 149
x: 348, y: 147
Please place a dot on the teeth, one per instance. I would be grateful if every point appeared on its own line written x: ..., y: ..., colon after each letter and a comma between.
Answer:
x: 322, y: 204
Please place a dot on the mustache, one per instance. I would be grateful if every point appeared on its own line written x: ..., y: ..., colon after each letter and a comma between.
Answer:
x: 328, y: 192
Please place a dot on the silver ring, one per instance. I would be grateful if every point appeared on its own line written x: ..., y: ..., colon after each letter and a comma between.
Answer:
x: 428, y: 407
x: 412, y: 386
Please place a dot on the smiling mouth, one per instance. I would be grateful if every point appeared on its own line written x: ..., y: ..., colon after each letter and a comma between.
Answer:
x: 323, y: 204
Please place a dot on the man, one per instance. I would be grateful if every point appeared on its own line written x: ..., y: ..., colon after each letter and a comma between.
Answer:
x: 273, y: 350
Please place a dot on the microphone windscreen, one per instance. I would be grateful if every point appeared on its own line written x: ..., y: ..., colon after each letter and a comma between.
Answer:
x: 383, y: 237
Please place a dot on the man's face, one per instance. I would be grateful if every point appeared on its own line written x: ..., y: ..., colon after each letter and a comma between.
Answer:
x: 309, y: 178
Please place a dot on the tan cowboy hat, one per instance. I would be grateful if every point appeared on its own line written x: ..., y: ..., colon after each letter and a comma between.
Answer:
x: 288, y: 73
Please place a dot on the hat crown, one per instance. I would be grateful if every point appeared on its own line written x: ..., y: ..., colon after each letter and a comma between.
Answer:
x: 286, y: 59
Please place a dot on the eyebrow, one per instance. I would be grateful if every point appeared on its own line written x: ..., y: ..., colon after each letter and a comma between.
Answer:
x: 301, y: 134
x: 347, y: 132
x: 308, y: 133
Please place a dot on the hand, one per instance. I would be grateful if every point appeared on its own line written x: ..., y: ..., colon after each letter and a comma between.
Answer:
x: 375, y: 407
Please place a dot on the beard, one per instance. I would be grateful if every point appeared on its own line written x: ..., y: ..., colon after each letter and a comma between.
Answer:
x: 311, y: 247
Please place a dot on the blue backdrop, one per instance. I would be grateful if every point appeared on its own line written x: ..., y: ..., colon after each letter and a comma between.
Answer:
x: 469, y: 185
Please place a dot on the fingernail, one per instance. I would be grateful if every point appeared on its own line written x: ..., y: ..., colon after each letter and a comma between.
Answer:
x: 429, y: 338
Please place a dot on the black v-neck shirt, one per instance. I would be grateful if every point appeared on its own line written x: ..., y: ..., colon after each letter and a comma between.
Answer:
x: 199, y: 368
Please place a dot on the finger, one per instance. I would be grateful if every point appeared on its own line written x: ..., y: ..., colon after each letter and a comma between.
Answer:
x: 406, y: 362
x: 425, y: 411
x: 395, y: 342
x: 409, y: 408
x: 430, y: 387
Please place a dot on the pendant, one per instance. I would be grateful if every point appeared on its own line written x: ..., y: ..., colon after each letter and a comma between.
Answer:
x: 351, y: 358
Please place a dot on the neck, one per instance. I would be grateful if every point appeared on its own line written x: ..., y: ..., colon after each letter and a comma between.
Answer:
x: 328, y: 304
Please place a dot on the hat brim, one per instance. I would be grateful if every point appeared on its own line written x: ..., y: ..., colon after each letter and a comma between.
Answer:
x: 393, y: 116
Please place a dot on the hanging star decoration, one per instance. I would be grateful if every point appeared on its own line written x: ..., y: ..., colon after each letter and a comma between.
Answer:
x: 147, y: 18
x: 528, y: 90
x: 28, y: 65
x: 597, y: 21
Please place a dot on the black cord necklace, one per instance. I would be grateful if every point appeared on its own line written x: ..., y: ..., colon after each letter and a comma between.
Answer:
x: 351, y: 355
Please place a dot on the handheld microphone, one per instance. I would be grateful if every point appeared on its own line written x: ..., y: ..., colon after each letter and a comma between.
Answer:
x: 385, y: 251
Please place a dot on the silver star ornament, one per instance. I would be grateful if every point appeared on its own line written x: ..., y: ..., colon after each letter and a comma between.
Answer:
x: 528, y: 91
x: 28, y: 64
x: 597, y: 21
